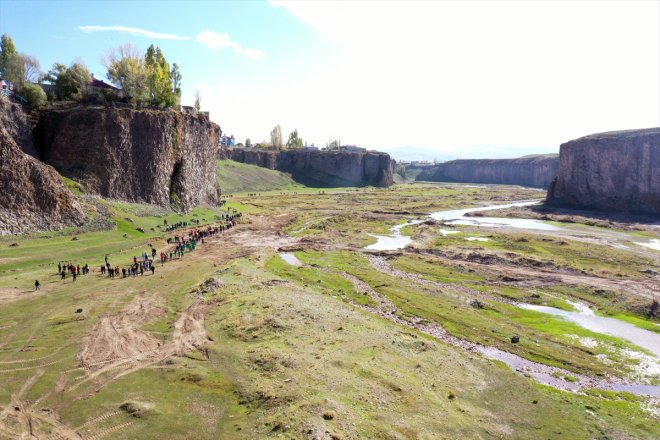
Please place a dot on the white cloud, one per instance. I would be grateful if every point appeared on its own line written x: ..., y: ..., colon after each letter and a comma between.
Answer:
x: 222, y: 40
x: 133, y: 31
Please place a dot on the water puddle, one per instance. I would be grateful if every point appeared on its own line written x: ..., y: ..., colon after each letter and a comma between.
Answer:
x: 477, y: 239
x: 585, y: 317
x: 394, y: 241
x: 654, y: 243
x: 291, y: 258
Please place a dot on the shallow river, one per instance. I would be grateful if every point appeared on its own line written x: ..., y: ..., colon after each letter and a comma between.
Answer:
x: 584, y: 316
x: 397, y: 240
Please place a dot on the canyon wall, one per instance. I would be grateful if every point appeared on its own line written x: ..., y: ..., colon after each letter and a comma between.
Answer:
x: 534, y: 171
x: 613, y: 171
x: 322, y: 168
x: 34, y: 196
x: 139, y: 155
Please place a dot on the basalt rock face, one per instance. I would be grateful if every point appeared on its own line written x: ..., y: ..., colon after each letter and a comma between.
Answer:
x: 139, y: 155
x: 534, y: 171
x: 323, y: 168
x: 613, y: 171
x: 33, y: 195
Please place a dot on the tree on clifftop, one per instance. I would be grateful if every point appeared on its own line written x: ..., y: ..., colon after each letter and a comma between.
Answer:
x: 7, y: 51
x: 70, y: 82
x: 127, y: 70
x: 198, y: 101
x: 176, y: 83
x: 294, y: 140
x: 161, y: 88
x: 276, y: 137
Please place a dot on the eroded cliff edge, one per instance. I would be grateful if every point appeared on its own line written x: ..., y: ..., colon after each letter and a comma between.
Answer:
x: 534, y: 171
x: 322, y: 168
x: 34, y: 196
x: 141, y: 155
x: 612, y: 171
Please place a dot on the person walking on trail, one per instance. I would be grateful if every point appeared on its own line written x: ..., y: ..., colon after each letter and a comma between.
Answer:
x: 63, y: 274
x: 153, y: 270
x: 37, y: 286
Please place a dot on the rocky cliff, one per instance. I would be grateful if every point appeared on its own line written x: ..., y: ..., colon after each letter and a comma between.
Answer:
x: 323, y: 168
x: 613, y: 171
x: 34, y: 196
x: 140, y: 155
x: 535, y: 171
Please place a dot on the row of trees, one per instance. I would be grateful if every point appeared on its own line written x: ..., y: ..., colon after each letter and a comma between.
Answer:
x: 294, y: 141
x: 144, y: 79
x: 276, y: 140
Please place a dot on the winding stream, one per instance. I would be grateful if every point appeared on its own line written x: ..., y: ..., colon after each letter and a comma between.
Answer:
x: 396, y: 240
x: 583, y: 316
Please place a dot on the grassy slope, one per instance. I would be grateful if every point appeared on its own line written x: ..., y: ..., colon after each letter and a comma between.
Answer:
x: 237, y: 177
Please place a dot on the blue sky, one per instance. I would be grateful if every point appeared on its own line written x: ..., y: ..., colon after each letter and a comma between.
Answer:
x: 451, y: 79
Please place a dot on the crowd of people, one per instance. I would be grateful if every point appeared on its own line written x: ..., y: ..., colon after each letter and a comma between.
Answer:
x: 177, y: 247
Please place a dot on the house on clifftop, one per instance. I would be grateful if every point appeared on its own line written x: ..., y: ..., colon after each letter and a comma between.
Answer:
x: 99, y: 86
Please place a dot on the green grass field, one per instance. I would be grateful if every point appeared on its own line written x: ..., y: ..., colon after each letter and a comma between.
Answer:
x: 275, y: 350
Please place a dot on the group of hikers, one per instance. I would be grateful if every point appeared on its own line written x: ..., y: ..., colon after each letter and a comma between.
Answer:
x: 183, y: 244
x: 64, y: 267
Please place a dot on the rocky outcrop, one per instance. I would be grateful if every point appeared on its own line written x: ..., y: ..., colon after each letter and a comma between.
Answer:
x: 323, y: 168
x: 534, y: 171
x: 613, y: 171
x: 34, y: 196
x: 139, y: 155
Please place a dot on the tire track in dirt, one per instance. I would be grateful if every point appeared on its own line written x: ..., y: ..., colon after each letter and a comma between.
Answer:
x: 106, y: 432
x: 27, y: 361
x: 99, y: 419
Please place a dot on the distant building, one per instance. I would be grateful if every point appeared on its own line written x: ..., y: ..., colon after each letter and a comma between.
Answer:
x: 228, y: 141
x: 4, y: 87
x: 312, y: 148
x: 188, y: 109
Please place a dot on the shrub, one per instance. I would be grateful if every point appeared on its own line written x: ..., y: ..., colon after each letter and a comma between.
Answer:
x: 34, y: 95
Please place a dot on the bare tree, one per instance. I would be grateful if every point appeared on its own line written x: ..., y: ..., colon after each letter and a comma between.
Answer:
x: 32, y: 68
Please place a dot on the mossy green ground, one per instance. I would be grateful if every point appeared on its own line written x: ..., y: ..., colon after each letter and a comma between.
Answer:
x: 287, y: 347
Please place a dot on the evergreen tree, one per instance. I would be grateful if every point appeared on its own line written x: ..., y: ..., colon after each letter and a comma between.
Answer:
x: 176, y: 83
